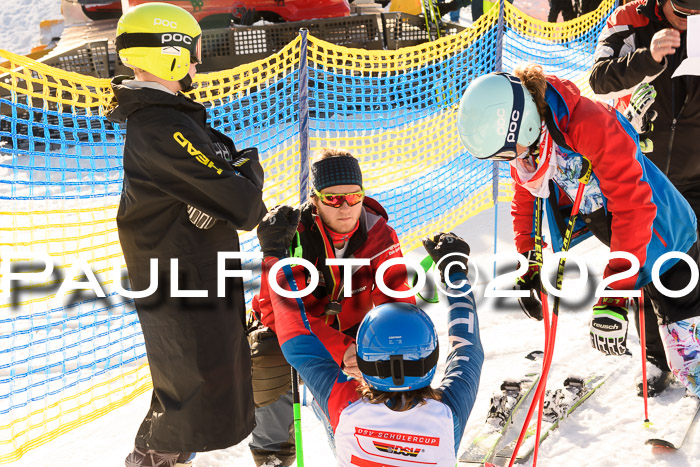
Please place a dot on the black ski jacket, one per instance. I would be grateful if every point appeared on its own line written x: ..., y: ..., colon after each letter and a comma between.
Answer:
x: 197, y: 350
x: 623, y: 60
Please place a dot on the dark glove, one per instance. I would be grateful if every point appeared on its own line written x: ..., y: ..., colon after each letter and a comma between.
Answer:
x: 532, y: 305
x: 247, y: 163
x: 276, y: 230
x: 609, y: 326
x: 637, y: 112
x: 442, y: 245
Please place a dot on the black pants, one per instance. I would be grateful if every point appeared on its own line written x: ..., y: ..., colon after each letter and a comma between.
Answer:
x: 563, y: 6
x: 692, y: 194
x: 654, y: 345
x: 668, y: 309
x: 588, y: 5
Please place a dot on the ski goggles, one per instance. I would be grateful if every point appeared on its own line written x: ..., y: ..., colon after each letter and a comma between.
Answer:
x: 335, y: 200
x: 510, y: 155
x: 161, y: 40
x: 196, y: 57
x: 682, y: 13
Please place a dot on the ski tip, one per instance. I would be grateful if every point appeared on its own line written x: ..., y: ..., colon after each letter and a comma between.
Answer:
x: 660, y: 449
x: 660, y: 445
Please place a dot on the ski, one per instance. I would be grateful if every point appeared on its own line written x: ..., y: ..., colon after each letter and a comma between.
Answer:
x: 558, y: 404
x: 433, y: 21
x: 675, y: 427
x: 504, y: 405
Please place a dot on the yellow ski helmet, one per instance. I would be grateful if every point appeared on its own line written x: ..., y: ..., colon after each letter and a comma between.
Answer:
x: 159, y: 38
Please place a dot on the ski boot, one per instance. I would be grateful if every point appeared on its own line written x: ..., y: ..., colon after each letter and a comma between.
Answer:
x: 657, y: 380
x: 141, y: 457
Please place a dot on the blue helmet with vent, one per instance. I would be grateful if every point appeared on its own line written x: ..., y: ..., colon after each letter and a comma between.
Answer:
x: 397, y: 347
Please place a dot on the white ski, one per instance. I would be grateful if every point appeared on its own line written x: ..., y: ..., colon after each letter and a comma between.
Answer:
x: 675, y: 428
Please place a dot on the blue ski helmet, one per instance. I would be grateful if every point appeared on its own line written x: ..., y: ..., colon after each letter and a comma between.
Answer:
x: 497, y: 112
x: 397, y: 347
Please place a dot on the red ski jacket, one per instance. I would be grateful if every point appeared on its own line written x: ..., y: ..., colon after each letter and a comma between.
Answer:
x: 374, y: 240
x: 649, y: 217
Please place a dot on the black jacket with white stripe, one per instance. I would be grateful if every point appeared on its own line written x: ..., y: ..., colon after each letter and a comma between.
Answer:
x: 623, y: 60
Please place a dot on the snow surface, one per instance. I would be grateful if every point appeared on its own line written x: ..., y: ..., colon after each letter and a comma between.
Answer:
x: 607, y: 431
x: 19, y: 23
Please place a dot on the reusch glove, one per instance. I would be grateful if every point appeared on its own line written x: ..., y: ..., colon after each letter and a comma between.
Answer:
x: 443, y: 244
x: 277, y: 229
x: 609, y: 325
x: 637, y: 112
x: 532, y: 305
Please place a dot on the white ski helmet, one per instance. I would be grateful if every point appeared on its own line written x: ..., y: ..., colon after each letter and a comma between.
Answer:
x: 497, y: 112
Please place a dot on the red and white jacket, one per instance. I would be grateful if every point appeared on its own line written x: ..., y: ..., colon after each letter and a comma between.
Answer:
x: 374, y: 240
x: 648, y: 216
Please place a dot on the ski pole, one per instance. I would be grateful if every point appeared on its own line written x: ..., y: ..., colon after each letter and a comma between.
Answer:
x: 586, y: 171
x: 643, y: 344
x: 538, y: 398
x: 547, y: 328
x: 545, y: 315
x: 297, y: 419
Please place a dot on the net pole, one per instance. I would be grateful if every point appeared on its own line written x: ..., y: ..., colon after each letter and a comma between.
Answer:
x: 303, y: 191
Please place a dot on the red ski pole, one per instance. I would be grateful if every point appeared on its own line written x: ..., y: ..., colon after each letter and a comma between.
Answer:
x: 643, y: 345
x: 549, y: 341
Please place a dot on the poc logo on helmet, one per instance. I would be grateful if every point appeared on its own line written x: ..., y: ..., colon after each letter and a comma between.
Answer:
x: 175, y: 37
x: 164, y: 22
x: 512, y: 126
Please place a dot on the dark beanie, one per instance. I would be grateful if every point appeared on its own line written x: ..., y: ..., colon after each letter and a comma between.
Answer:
x: 338, y: 170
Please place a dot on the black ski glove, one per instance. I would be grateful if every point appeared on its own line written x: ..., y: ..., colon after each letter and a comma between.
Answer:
x: 532, y: 305
x: 442, y: 245
x: 247, y: 163
x: 277, y: 229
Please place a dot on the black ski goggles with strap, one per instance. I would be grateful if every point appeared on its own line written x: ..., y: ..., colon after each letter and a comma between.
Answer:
x: 397, y: 368
x: 163, y: 39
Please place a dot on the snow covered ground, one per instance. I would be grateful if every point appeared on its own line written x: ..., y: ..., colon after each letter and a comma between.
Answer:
x: 606, y: 431
x: 19, y: 23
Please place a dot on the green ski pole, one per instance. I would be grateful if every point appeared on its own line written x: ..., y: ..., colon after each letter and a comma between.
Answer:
x: 297, y: 419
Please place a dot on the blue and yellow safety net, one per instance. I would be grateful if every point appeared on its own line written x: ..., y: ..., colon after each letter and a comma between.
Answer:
x: 64, y: 363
